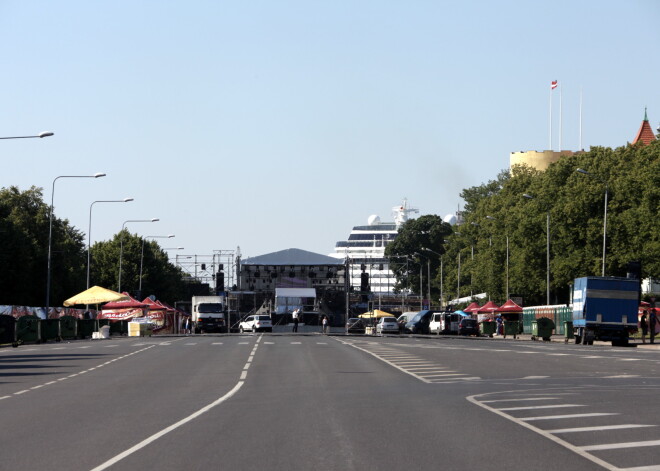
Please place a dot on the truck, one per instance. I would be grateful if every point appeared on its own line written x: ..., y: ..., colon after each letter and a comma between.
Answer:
x: 605, y: 308
x: 209, y: 314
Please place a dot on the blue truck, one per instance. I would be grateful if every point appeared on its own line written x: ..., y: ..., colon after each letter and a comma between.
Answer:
x: 605, y: 308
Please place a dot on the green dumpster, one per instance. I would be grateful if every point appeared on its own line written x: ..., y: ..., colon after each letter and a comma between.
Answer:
x: 86, y: 327
x: 568, y: 331
x: 118, y: 327
x: 28, y: 329
x: 488, y: 328
x: 511, y: 328
x: 542, y: 328
x: 8, y: 330
x: 68, y: 327
x: 50, y: 330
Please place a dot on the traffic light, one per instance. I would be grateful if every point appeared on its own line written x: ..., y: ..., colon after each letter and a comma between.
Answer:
x: 364, y: 281
x: 220, y: 281
x: 203, y: 266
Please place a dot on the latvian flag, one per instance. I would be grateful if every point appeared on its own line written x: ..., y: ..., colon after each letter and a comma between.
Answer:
x: 553, y: 85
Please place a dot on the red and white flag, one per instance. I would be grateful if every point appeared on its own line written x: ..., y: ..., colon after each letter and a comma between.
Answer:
x: 553, y: 85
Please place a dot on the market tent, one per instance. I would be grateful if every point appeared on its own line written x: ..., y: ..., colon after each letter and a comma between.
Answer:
x: 472, y: 308
x: 375, y: 314
x: 95, y: 295
x: 124, y: 310
x: 509, y: 306
x: 488, y: 308
x: 130, y: 302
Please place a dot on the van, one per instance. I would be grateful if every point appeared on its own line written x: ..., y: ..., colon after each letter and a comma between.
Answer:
x: 403, y: 319
x: 444, y: 323
x: 419, y: 324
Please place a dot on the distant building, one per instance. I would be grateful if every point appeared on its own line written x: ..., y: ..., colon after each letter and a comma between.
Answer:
x: 645, y: 134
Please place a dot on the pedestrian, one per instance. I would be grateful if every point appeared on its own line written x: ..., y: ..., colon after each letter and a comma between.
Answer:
x: 295, y: 315
x: 499, y: 325
x: 644, y: 325
x: 325, y: 324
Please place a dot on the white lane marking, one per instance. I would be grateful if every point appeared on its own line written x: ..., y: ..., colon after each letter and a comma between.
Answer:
x: 321, y: 343
x: 172, y: 427
x: 621, y: 376
x: 4, y: 397
x: 616, y: 446
x: 250, y: 358
x: 110, y: 346
x: 630, y: 359
x: 552, y: 406
x: 296, y: 343
x: 520, y: 399
x: 243, y: 343
x: 193, y: 343
x: 269, y: 343
x: 21, y: 392
x: 243, y: 375
x: 58, y: 348
x: 598, y: 429
x: 535, y: 377
x: 216, y: 343
x: 247, y: 365
x: 567, y: 416
x: 655, y: 467
x: 445, y: 374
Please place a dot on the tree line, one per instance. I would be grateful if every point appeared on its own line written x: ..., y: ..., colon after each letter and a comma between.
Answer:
x: 501, y: 241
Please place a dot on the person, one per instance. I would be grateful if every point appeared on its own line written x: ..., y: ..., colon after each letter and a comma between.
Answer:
x: 500, y: 324
x: 325, y: 324
x: 644, y: 325
x: 295, y: 315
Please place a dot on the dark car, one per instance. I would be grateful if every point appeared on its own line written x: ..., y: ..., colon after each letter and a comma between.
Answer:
x: 468, y: 326
x: 355, y: 326
x: 419, y: 324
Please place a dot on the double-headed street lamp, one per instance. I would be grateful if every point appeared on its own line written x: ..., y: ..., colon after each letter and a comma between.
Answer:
x: 121, y: 243
x: 89, y: 230
x: 142, y: 254
x: 40, y: 135
x: 547, y: 251
x: 50, y: 229
x: 584, y: 172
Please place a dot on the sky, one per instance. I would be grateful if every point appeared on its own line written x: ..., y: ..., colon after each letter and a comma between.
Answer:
x: 270, y: 125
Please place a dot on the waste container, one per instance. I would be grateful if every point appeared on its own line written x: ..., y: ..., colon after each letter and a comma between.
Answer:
x: 487, y: 328
x: 511, y: 328
x: 542, y: 328
x: 28, y: 329
x: 68, y: 327
x: 118, y: 327
x: 86, y: 328
x: 8, y: 330
x: 568, y: 331
x: 50, y: 330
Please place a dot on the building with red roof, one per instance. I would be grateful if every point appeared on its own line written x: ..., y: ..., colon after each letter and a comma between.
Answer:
x: 645, y: 134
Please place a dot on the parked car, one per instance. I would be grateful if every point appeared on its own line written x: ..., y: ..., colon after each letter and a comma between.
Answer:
x: 468, y: 326
x: 387, y: 325
x: 256, y: 323
x: 420, y: 323
x: 355, y: 325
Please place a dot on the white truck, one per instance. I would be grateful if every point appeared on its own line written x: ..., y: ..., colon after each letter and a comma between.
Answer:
x: 208, y: 314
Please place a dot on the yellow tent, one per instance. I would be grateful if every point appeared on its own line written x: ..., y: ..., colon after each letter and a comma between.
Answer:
x: 96, y: 295
x: 375, y: 314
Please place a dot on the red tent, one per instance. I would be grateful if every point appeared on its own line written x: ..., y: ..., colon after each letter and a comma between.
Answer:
x: 473, y: 308
x: 161, y: 316
x: 123, y: 310
x: 488, y: 308
x: 509, y: 306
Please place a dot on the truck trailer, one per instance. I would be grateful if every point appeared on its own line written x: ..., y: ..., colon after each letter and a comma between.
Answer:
x: 605, y: 308
x: 208, y: 314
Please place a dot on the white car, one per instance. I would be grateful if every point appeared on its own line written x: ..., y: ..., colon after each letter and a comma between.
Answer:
x: 256, y: 324
x: 387, y: 324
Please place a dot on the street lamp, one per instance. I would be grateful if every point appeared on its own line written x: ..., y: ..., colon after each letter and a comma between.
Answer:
x: 142, y: 255
x: 50, y: 230
x: 429, y: 274
x: 121, y: 243
x: 584, y: 172
x: 507, y: 257
x: 89, y: 230
x: 40, y: 135
x: 547, y: 251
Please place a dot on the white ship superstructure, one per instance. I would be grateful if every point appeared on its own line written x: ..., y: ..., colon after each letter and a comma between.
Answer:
x: 365, y: 249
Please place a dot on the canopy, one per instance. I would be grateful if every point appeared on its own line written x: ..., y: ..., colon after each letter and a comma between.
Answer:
x: 473, y: 307
x: 489, y: 307
x: 461, y: 313
x: 376, y: 313
x: 95, y: 295
x: 509, y: 306
x: 125, y: 303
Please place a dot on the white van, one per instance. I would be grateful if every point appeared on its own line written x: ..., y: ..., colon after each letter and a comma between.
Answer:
x: 444, y: 323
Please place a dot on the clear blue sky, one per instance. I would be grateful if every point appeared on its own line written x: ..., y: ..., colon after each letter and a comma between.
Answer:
x: 277, y: 124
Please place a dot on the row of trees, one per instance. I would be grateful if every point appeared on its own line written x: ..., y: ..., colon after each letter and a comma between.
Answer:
x: 497, y: 220
x: 24, y: 226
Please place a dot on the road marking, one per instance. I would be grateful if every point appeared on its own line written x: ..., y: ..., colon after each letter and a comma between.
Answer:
x: 269, y: 343
x: 243, y: 375
x: 243, y: 343
x: 598, y: 429
x: 194, y: 343
x: 567, y: 416
x: 21, y: 392
x: 4, y: 397
x: 216, y: 343
x: 535, y: 377
x: 321, y: 343
x: 521, y: 399
x: 247, y: 365
x: 615, y: 446
x: 296, y: 343
x: 552, y: 406
x: 445, y: 374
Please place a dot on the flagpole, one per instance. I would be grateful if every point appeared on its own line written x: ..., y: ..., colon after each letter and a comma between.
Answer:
x: 550, y: 145
x: 560, y: 127
x: 580, y: 148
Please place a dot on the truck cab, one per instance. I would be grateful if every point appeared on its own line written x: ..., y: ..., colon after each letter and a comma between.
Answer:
x: 208, y: 314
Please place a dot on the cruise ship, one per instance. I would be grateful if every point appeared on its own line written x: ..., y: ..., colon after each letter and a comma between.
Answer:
x: 365, y: 249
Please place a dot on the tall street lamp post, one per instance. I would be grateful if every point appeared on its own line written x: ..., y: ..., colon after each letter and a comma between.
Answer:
x: 89, y: 229
x: 169, y: 236
x: 547, y: 252
x: 429, y: 274
x: 507, y: 258
x: 603, y: 181
x: 121, y: 243
x: 40, y: 135
x: 50, y: 230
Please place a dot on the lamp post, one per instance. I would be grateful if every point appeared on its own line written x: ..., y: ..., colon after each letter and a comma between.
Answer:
x: 89, y: 230
x: 421, y: 290
x: 40, y: 135
x: 142, y: 255
x: 50, y: 230
x: 429, y: 274
x: 121, y: 243
x: 507, y: 257
x: 584, y: 172
x: 547, y: 251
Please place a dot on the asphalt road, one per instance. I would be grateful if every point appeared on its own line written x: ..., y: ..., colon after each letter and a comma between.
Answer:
x: 301, y: 402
